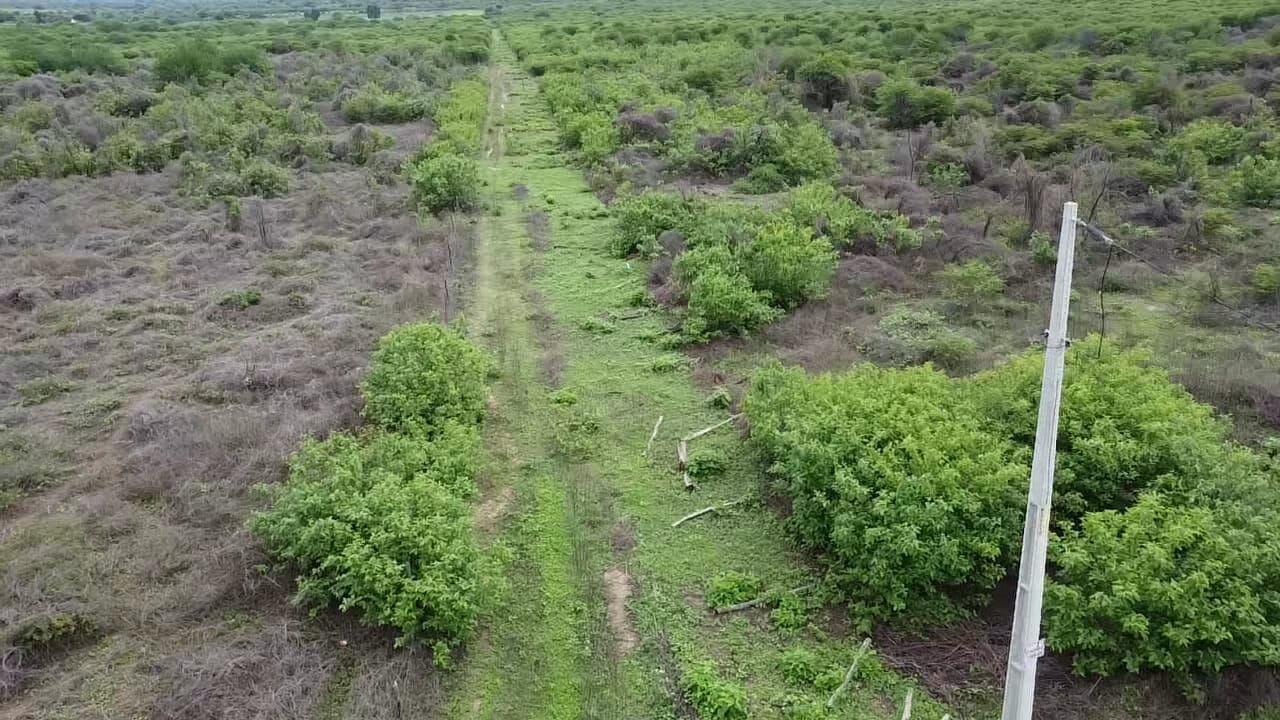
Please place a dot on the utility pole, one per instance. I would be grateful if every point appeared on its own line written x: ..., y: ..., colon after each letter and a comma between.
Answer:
x: 1026, y: 646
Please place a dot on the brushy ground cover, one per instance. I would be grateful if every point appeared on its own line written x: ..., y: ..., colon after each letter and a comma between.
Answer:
x: 175, y: 328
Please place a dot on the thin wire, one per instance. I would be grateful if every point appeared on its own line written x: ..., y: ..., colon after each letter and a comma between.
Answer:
x: 1102, y: 297
x: 1213, y: 297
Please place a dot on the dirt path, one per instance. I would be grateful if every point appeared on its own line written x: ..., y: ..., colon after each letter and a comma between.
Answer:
x: 550, y: 653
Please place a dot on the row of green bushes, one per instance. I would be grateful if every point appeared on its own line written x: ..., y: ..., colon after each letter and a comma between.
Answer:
x: 912, y: 486
x: 378, y: 522
x: 739, y: 266
x: 443, y: 174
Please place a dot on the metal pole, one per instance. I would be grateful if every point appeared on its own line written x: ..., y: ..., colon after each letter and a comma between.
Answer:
x: 1025, y: 646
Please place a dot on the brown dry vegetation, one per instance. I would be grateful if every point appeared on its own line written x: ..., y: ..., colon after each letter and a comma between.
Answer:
x: 150, y: 406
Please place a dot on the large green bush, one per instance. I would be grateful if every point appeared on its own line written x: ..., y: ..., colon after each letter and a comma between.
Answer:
x: 1164, y: 586
x: 819, y: 206
x: 722, y: 302
x: 373, y: 104
x: 383, y: 531
x: 789, y: 263
x: 905, y: 104
x: 1255, y: 182
x: 1124, y: 426
x: 640, y: 219
x: 896, y: 480
x: 422, y: 376
x: 445, y: 181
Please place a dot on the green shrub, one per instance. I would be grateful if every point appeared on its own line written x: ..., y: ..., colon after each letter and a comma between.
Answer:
x: 705, y: 463
x: 447, y: 181
x: 806, y: 153
x: 895, y: 479
x: 422, y: 376
x: 263, y: 178
x: 1164, y: 587
x: 1124, y: 426
x: 723, y: 303
x: 1264, y: 281
x: 970, y: 283
x: 788, y: 263
x: 712, y: 697
x: 1255, y: 182
x: 790, y: 612
x: 378, y: 532
x: 54, y: 633
x: 1208, y: 141
x: 241, y: 299
x: 188, y: 60
x: 1042, y: 249
x: 917, y: 336
x: 799, y: 666
x: 905, y: 104
x: 68, y: 56
x: 819, y: 206
x: 639, y: 220
x: 762, y: 180
x: 372, y: 104
x: 42, y: 390
x: 731, y: 588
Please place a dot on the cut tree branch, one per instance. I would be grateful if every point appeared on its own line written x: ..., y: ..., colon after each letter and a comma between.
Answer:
x: 753, y: 603
x: 848, y: 676
x: 707, y: 510
x: 652, y: 436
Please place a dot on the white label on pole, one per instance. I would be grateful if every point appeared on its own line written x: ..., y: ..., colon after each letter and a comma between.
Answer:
x: 1037, y: 650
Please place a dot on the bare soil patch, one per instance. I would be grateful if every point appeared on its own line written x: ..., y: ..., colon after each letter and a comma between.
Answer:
x: 617, y: 590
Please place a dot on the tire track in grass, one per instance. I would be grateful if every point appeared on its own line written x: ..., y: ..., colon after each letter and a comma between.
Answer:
x: 545, y: 652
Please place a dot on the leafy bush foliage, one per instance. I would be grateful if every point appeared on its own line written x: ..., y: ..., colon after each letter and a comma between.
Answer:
x: 383, y: 532
x: 731, y: 588
x: 1164, y: 586
x: 1255, y: 182
x: 711, y: 696
x: 909, y: 337
x: 448, y: 181
x: 788, y: 263
x: 640, y: 219
x: 905, y: 104
x: 819, y: 206
x: 373, y: 104
x: 894, y: 478
x: 723, y: 303
x: 422, y: 376
x: 970, y: 283
x: 799, y: 666
x: 1124, y: 426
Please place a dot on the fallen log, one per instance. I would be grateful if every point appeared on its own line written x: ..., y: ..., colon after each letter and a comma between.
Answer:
x: 753, y: 603
x: 707, y: 510
x: 848, y: 676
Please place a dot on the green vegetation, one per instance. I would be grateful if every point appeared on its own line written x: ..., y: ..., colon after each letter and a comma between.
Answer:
x: 1163, y: 561
x: 379, y: 524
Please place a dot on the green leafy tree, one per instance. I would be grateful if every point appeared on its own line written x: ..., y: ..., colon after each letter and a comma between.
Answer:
x: 906, y: 104
x: 722, y: 302
x: 383, y: 533
x: 1255, y: 182
x: 970, y: 283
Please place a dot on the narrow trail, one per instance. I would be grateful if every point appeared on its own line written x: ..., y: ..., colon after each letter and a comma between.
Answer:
x: 605, y: 598
x: 550, y: 654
